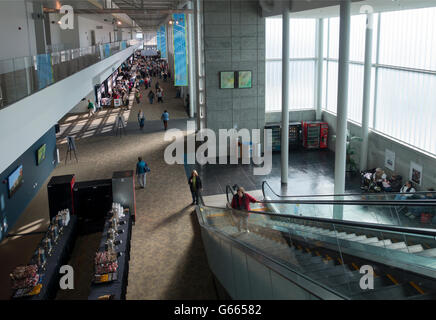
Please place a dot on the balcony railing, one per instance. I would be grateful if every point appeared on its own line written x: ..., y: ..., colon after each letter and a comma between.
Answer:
x: 23, y: 76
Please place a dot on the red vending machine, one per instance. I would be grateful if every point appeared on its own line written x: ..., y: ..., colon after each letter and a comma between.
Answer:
x: 315, y: 134
x: 324, y: 135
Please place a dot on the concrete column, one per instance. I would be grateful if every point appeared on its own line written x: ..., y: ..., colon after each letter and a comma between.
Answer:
x: 192, y: 61
x: 285, y: 98
x: 319, y: 71
x: 342, y: 111
x: 366, y: 92
x: 38, y: 17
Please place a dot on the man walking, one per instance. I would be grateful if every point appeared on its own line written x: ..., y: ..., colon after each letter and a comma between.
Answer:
x: 195, y: 186
x: 91, y: 108
x: 141, y: 171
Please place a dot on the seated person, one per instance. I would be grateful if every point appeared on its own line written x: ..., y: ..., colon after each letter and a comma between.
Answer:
x: 396, y: 182
x: 386, y: 184
x: 407, y: 191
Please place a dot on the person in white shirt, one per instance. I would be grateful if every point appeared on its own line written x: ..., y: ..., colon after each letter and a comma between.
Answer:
x: 406, y: 191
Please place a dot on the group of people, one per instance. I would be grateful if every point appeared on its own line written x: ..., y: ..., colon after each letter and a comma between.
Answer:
x: 377, y: 180
x: 146, y: 69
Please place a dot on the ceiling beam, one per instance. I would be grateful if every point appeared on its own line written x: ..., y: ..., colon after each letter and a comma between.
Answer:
x: 126, y: 11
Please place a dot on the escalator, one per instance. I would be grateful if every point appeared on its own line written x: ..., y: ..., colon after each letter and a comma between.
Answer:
x: 290, y: 256
x: 389, y: 211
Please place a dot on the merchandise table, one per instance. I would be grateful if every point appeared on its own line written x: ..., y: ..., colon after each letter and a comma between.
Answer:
x: 61, y: 253
x: 118, y: 287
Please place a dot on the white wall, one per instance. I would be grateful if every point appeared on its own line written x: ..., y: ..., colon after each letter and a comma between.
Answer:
x: 24, y: 122
x: 63, y: 39
x: 82, y: 106
x: 15, y: 42
x: 86, y: 24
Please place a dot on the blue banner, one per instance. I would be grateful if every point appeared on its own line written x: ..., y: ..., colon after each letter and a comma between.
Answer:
x: 180, y: 50
x: 158, y: 40
x: 163, y: 42
x: 44, y: 70
x: 123, y: 45
x: 107, y: 50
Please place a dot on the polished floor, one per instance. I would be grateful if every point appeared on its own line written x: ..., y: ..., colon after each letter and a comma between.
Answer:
x: 310, y: 172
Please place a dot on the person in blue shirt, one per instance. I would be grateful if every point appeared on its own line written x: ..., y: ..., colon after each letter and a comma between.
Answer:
x: 165, y: 117
x: 141, y: 172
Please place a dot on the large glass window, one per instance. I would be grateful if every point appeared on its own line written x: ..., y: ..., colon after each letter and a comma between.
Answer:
x: 403, y: 92
x: 406, y: 107
x: 302, y: 64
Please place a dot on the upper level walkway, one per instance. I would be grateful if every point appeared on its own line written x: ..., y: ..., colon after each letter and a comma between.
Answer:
x: 23, y: 76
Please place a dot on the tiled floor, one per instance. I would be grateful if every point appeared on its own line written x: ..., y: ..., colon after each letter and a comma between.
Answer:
x: 310, y: 172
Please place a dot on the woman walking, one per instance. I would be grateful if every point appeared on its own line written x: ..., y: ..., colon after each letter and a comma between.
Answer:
x: 165, y: 117
x: 141, y: 119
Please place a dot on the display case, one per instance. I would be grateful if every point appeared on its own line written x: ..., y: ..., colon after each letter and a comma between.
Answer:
x: 276, y: 135
x: 295, y: 135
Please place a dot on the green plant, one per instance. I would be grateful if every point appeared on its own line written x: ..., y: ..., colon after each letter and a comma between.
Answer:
x: 351, y: 164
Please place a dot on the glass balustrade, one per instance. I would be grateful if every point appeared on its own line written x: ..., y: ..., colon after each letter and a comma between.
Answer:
x: 23, y: 76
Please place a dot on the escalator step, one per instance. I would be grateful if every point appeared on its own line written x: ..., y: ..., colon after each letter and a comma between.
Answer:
x: 358, y: 238
x: 369, y: 240
x: 334, y: 271
x: 428, y: 253
x: 353, y: 287
x: 382, y: 243
x: 319, y: 267
x: 413, y: 249
x: 394, y: 292
x: 342, y: 278
x: 397, y: 246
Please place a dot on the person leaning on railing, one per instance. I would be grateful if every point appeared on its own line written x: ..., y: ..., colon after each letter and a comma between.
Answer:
x: 241, y: 201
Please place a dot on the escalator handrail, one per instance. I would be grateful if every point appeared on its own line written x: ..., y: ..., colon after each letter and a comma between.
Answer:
x: 366, y: 225
x: 229, y: 188
x: 411, y: 202
x: 398, y: 203
x: 338, y: 195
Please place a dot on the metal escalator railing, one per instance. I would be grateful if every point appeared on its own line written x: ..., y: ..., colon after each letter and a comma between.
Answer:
x: 331, y: 252
x: 357, y: 207
x: 269, y: 193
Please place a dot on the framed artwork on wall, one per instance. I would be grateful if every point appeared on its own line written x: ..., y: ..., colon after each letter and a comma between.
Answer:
x: 227, y: 80
x: 244, y: 79
x: 415, y: 174
x: 390, y: 159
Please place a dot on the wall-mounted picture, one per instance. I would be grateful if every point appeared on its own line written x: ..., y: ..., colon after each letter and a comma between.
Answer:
x: 15, y: 180
x: 244, y: 79
x: 40, y: 154
x: 415, y: 173
x: 227, y: 80
x: 390, y: 159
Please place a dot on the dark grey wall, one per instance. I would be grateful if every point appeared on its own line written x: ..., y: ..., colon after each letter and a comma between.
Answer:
x: 234, y: 40
x: 34, y: 177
